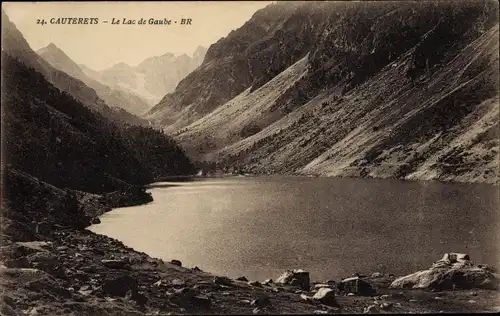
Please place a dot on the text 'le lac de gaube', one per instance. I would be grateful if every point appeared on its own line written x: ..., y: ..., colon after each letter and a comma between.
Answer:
x: 150, y: 21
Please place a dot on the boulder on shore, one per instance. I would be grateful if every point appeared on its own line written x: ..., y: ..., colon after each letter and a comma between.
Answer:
x: 453, y: 271
x: 325, y: 296
x: 298, y: 278
x: 356, y: 286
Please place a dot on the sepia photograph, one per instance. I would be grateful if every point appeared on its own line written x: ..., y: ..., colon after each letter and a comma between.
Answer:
x: 249, y: 157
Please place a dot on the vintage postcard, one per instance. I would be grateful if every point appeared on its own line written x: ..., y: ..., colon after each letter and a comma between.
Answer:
x: 250, y: 157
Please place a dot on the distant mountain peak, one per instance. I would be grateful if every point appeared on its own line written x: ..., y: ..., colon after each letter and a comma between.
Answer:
x: 121, y: 65
x: 58, y: 58
x: 199, y: 53
x: 156, y: 59
x: 168, y: 54
x: 115, y: 98
x: 51, y: 47
x: 55, y: 51
x: 200, y: 48
x: 153, y: 77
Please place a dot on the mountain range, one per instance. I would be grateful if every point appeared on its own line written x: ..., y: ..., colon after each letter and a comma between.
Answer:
x: 405, y: 90
x: 56, y: 129
x: 152, y: 78
x: 14, y: 44
x: 112, y: 97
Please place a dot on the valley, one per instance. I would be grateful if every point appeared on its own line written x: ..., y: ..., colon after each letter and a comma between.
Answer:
x: 320, y: 158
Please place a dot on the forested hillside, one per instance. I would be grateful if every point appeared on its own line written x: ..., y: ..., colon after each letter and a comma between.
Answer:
x: 50, y: 135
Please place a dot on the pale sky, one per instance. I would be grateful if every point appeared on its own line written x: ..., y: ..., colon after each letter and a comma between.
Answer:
x: 99, y: 46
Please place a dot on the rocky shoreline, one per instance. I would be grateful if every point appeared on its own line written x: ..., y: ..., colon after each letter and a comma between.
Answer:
x: 83, y: 273
x: 68, y: 270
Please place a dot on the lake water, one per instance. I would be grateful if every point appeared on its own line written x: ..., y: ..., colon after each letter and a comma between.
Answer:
x: 260, y: 226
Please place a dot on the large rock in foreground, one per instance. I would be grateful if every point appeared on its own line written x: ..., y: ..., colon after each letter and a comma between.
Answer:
x: 325, y: 296
x: 298, y: 278
x: 356, y: 286
x: 453, y: 271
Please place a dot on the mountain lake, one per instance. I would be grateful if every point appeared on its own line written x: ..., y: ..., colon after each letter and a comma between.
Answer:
x: 333, y: 227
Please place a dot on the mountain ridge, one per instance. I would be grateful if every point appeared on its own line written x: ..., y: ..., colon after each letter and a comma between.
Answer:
x: 113, y: 97
x: 52, y: 136
x: 297, y: 88
x: 14, y: 43
x: 153, y: 77
x: 51, y: 133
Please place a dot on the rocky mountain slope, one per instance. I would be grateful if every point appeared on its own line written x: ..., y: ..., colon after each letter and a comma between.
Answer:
x: 14, y: 44
x: 112, y: 97
x: 152, y: 78
x: 348, y: 89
